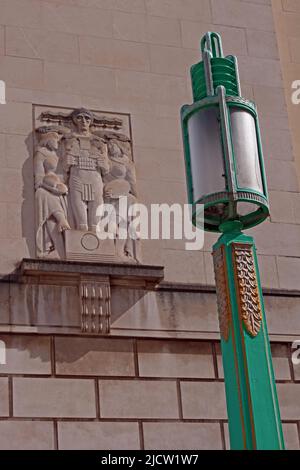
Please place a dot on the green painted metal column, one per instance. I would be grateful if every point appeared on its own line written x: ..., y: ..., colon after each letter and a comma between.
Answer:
x: 253, y: 411
x: 227, y: 190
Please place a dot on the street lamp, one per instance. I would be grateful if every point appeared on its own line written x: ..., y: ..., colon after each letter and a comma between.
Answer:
x: 225, y: 174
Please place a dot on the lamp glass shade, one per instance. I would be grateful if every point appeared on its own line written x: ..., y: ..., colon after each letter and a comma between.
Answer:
x: 244, y: 140
x: 206, y: 156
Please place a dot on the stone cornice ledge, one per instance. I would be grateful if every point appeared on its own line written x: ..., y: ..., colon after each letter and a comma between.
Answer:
x: 57, y: 271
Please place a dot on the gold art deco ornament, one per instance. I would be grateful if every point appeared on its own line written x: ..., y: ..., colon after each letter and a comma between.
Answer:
x: 247, y: 287
x: 223, y: 299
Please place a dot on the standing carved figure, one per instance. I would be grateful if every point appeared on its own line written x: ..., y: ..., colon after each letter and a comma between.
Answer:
x: 85, y: 162
x: 121, y: 182
x: 50, y: 195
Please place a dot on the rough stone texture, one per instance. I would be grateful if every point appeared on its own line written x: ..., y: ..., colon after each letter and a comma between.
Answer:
x: 184, y: 436
x: 67, y: 398
x: 175, y: 359
x: 98, y: 436
x: 87, y: 356
x: 138, y: 399
x: 26, y: 435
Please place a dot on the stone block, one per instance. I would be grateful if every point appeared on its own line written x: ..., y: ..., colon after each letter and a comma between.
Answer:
x: 288, y: 271
x: 16, y: 118
x: 68, y: 398
x: 26, y: 355
x: 283, y: 315
x: 112, y: 53
x: 291, y: 5
x: 22, y: 73
x: 260, y: 71
x: 44, y: 305
x: 282, y: 207
x: 11, y: 185
x: 11, y: 252
x: 184, y: 436
x: 138, y: 399
x: 4, y: 303
x: 4, y: 397
x: 268, y: 272
x: 98, y: 436
x: 149, y: 131
x: 209, y: 269
x: 291, y: 436
x: 150, y: 163
x: 280, y: 355
x: 285, y: 239
x: 182, y: 9
x: 149, y: 29
x: 175, y: 359
x: 41, y: 44
x: 72, y: 19
x: 203, y: 400
x: 262, y: 44
x: 2, y: 51
x: 172, y: 60
x: 94, y: 356
x: 242, y: 14
x: 26, y: 435
x: 22, y: 13
x: 277, y: 145
x: 288, y: 395
x: 135, y: 309
x: 296, y: 204
x: 270, y: 100
x: 175, y: 262
x: 147, y: 90
x: 77, y: 79
x: 17, y: 153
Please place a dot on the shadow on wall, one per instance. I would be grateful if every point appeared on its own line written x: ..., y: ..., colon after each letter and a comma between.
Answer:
x: 28, y: 205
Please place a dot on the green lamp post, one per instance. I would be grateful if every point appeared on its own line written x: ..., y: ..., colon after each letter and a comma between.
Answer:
x: 225, y: 174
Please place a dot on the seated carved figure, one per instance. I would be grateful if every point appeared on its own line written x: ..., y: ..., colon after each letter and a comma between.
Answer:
x: 51, y: 204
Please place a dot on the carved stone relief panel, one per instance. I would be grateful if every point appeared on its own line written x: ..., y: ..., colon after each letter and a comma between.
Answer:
x: 82, y: 160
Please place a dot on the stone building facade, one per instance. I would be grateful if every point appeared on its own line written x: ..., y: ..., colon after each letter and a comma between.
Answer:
x: 154, y: 380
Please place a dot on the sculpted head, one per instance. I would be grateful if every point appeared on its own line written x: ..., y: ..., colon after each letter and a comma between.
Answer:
x: 82, y: 119
x: 49, y: 138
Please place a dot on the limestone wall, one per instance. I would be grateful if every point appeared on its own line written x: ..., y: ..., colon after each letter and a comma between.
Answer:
x: 157, y: 380
x: 134, y: 57
x: 60, y: 392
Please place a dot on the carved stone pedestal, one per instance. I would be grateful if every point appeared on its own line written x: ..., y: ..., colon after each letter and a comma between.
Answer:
x: 86, y: 246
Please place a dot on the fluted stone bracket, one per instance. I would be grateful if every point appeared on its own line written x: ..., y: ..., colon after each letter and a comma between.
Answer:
x: 93, y: 285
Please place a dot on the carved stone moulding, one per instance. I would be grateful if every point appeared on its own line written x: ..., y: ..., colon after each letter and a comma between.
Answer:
x: 95, y: 305
x: 222, y: 289
x: 247, y: 287
x: 93, y: 283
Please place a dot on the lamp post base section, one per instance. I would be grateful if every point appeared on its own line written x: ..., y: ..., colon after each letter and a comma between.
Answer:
x: 252, y: 404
